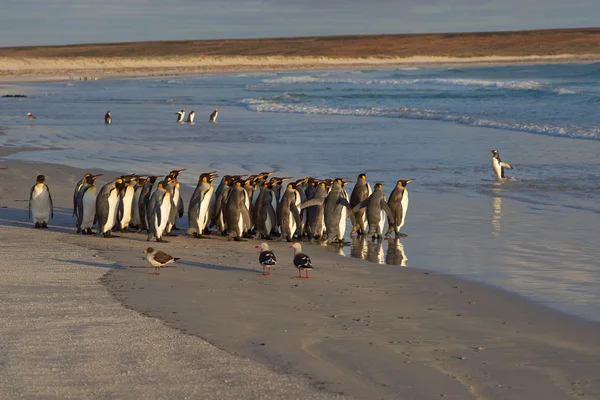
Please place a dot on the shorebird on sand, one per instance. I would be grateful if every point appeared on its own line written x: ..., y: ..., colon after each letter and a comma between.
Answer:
x: 158, y: 259
x: 301, y: 260
x: 266, y: 258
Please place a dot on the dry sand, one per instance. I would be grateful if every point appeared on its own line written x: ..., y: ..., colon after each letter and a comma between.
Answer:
x: 364, y: 330
x: 94, y: 61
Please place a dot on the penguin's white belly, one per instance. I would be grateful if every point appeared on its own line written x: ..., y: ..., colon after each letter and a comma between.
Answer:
x: 404, y: 203
x: 89, y: 208
x: 240, y: 225
x: 40, y: 204
x: 191, y: 118
x: 113, y: 201
x: 497, y: 167
x: 127, y: 207
x: 292, y: 224
x: 165, y: 209
x: 203, y: 216
x: 268, y: 223
x: 342, y: 223
x: 364, y: 219
x: 382, y: 221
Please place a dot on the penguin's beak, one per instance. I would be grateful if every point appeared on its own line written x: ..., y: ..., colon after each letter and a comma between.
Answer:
x: 94, y: 177
x: 490, y: 151
x: 409, y: 181
x: 291, y: 246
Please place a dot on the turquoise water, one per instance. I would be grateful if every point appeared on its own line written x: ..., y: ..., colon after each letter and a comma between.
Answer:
x: 534, y: 234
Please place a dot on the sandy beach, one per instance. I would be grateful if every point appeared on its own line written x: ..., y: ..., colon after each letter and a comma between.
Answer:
x: 110, y: 60
x: 99, y: 324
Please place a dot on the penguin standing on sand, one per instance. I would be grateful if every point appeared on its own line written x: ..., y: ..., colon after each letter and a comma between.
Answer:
x: 236, y: 212
x: 213, y: 116
x: 41, y: 208
x: 398, y: 203
x: 144, y: 200
x: 85, y: 205
x: 158, y: 211
x: 107, y: 118
x: 498, y: 165
x: 315, y: 215
x: 360, y: 192
x: 107, y: 205
x: 177, y: 210
x: 265, y: 217
x: 180, y: 115
x: 191, y: 116
x: 78, y: 187
x: 136, y: 221
x: 126, y: 196
x: 288, y: 215
x: 376, y: 211
x: 199, y: 209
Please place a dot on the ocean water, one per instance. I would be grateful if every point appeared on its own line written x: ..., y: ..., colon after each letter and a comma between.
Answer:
x: 535, y: 233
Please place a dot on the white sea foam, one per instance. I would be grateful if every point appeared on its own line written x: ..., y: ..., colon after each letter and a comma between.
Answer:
x: 264, y: 105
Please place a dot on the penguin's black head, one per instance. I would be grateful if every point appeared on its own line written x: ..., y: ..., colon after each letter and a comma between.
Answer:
x: 494, y: 153
x: 41, y: 178
x: 403, y: 183
x: 378, y: 186
x: 362, y: 176
x: 292, y: 185
x: 175, y: 173
x: 119, y: 183
x: 89, y: 178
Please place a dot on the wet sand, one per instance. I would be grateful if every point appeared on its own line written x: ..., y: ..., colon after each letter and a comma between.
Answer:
x: 364, y: 330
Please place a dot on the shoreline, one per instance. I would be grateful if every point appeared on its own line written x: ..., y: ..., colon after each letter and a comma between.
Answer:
x: 432, y: 348
x: 23, y: 70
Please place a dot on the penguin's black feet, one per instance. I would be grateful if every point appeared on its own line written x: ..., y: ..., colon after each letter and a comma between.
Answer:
x: 108, y: 235
x: 88, y: 231
x: 197, y: 235
x: 174, y: 228
x: 171, y: 234
x: 37, y: 225
x: 79, y: 230
x: 161, y: 240
x: 399, y: 235
x: 124, y: 230
x: 44, y: 225
x: 239, y: 239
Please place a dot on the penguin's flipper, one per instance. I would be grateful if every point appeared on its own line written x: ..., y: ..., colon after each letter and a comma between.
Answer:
x: 360, y: 205
x: 51, y: 203
x: 271, y: 213
x: 385, y: 207
x: 180, y: 209
x: 157, y: 213
x: 30, y: 194
x: 121, y: 209
x: 295, y: 214
x: 315, y: 201
x: 246, y: 217
x: 505, y: 165
x: 344, y: 203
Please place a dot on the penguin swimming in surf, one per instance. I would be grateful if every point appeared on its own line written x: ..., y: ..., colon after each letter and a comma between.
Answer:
x: 200, y: 205
x: 191, y: 116
x: 499, y: 165
x: 398, y: 203
x: 376, y: 211
x: 107, y: 118
x: 361, y: 191
x: 213, y: 116
x: 107, y: 205
x: 180, y: 115
x: 41, y: 208
x: 85, y: 205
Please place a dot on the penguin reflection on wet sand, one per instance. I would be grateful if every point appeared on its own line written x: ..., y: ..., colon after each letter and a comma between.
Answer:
x: 498, y: 165
x: 41, y: 208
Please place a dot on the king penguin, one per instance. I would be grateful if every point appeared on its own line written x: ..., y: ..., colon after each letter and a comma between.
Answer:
x: 158, y: 211
x: 213, y: 116
x: 199, y: 209
x: 177, y: 208
x: 265, y: 217
x: 180, y: 115
x: 78, y: 187
x: 236, y: 211
x: 144, y: 200
x: 191, y: 116
x: 107, y: 204
x: 376, y: 211
x: 107, y: 118
x: 288, y: 215
x: 126, y: 196
x: 361, y: 191
x: 85, y: 205
x: 41, y: 208
x: 498, y: 165
x: 398, y: 203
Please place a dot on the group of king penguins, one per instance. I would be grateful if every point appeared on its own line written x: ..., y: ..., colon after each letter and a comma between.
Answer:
x: 256, y: 206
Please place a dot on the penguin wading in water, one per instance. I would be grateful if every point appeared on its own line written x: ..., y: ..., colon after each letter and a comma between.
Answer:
x: 377, y: 210
x: 41, y: 208
x: 180, y: 115
x: 213, y: 116
x: 191, y: 116
x: 288, y: 215
x: 236, y: 212
x: 337, y: 210
x: 498, y: 165
x: 200, y: 205
x: 398, y: 203
x: 107, y: 204
x: 360, y: 192
x: 85, y: 205
x: 107, y: 118
x: 158, y: 211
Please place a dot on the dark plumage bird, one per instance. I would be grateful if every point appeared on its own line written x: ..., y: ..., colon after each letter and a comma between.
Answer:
x: 158, y: 259
x: 107, y: 118
x: 266, y: 258
x: 301, y: 260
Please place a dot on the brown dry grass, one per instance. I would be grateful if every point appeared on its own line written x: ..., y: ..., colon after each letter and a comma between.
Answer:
x: 517, y: 43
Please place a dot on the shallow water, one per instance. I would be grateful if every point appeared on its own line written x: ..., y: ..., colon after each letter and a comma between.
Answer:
x: 534, y: 233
